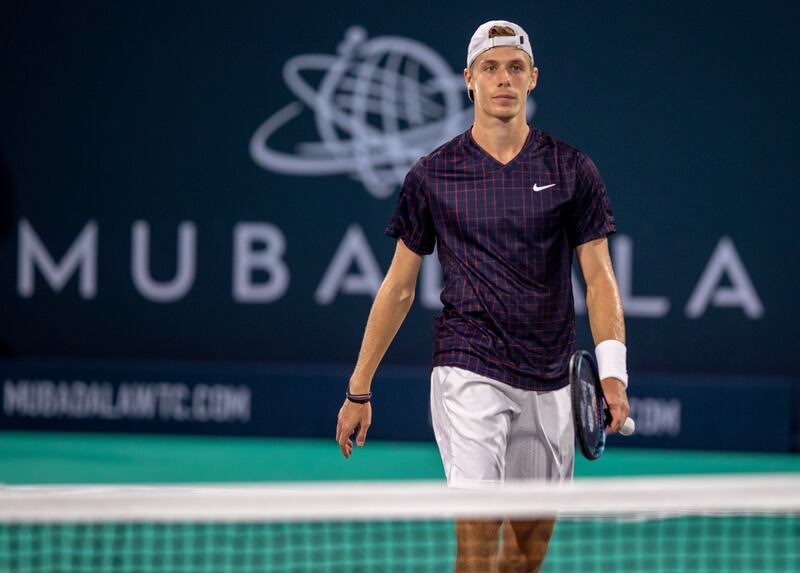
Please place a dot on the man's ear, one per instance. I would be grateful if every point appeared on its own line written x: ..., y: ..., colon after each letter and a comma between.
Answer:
x: 534, y: 79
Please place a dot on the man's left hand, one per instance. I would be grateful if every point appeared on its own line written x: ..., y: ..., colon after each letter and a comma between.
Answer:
x: 617, y: 401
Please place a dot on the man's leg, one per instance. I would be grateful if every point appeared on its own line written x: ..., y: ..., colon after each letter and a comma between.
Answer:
x: 471, y: 418
x: 524, y: 545
x: 477, y: 546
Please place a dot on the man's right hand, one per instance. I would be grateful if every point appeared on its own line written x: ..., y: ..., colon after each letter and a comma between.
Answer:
x: 352, y: 416
x: 392, y: 302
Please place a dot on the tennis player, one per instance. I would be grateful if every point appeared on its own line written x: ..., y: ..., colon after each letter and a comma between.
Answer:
x: 506, y: 205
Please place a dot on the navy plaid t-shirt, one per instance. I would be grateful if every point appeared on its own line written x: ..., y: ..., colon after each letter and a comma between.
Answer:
x: 505, y: 235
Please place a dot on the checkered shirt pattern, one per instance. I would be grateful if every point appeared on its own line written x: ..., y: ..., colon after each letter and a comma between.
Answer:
x: 505, y: 234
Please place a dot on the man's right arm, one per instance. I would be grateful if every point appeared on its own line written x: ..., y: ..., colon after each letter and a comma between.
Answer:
x: 392, y: 303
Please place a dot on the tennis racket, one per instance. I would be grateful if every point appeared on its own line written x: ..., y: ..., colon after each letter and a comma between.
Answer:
x: 589, y: 410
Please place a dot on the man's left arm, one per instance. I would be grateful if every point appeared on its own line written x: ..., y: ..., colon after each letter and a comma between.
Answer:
x: 606, y: 321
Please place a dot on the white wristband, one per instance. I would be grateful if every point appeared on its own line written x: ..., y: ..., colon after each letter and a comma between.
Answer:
x: 611, y: 358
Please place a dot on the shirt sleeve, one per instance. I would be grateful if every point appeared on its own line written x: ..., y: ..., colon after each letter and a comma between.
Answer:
x: 590, y: 215
x: 412, y: 221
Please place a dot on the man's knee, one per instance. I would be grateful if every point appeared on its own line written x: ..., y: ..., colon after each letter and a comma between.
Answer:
x: 525, y: 545
x: 477, y: 546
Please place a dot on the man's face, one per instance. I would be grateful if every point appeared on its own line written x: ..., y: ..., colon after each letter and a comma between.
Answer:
x: 500, y: 79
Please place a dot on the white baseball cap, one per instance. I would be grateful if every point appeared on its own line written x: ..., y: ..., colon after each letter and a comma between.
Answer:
x: 481, y: 41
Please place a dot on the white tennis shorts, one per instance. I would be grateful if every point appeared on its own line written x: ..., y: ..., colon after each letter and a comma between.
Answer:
x: 489, y: 432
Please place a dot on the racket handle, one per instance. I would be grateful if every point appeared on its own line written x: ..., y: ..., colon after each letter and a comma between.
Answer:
x: 628, y: 428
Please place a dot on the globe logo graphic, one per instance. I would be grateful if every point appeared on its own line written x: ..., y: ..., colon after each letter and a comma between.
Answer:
x: 382, y: 103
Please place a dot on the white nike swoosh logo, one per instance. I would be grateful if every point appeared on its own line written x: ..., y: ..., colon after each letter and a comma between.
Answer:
x: 536, y: 188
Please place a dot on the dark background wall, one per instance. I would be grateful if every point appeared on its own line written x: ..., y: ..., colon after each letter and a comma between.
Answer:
x: 215, y: 121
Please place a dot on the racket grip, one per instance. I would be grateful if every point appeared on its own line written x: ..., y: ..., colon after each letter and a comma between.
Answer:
x: 628, y: 428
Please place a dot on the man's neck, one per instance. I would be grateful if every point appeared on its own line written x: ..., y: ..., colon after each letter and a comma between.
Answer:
x: 503, y: 140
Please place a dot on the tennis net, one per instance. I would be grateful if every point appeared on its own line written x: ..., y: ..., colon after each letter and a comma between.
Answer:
x: 731, y: 523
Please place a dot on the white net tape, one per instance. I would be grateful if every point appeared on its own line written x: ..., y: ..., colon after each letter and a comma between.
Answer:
x: 659, y: 497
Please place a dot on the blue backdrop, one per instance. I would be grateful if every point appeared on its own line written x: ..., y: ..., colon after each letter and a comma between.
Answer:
x: 201, y: 185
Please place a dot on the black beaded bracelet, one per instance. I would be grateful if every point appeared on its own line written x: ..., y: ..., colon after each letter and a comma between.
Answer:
x: 358, y: 398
